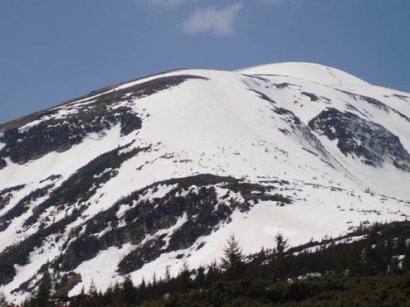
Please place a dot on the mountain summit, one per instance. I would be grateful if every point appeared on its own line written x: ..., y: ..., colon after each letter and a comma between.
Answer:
x: 157, y: 172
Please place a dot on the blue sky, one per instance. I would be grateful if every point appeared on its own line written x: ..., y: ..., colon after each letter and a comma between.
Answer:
x: 55, y: 50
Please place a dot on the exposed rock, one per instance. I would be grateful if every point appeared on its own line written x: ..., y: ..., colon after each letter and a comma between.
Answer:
x: 370, y: 142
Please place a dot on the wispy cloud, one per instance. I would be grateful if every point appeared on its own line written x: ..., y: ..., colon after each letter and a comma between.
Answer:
x: 215, y: 21
x: 162, y: 3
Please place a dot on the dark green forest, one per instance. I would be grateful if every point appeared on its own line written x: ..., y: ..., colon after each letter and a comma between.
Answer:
x: 368, y: 267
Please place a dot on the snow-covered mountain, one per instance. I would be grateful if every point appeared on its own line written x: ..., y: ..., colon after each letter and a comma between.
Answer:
x: 148, y: 174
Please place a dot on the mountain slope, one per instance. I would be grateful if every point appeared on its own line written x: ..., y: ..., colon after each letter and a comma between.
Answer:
x: 147, y: 174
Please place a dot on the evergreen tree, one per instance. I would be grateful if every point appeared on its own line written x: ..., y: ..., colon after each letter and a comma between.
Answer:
x: 167, y: 274
x: 128, y: 290
x: 184, y: 278
x: 212, y: 274
x: 42, y: 297
x: 200, y: 277
x: 93, y: 289
x: 117, y: 295
x: 141, y: 290
x: 260, y: 271
x: 143, y: 285
x: 278, y: 263
x: 232, y: 262
x: 154, y: 280
x: 281, y: 246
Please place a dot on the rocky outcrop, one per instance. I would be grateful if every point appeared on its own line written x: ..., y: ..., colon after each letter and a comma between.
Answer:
x: 360, y: 138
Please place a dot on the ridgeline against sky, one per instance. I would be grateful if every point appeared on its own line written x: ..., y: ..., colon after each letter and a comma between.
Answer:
x: 56, y: 50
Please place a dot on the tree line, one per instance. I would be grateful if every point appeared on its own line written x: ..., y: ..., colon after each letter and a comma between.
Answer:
x: 370, y: 271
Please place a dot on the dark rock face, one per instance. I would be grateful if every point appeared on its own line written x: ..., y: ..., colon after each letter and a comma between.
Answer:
x: 299, y: 128
x: 372, y: 143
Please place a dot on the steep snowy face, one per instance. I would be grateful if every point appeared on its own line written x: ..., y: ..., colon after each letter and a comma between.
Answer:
x: 147, y: 174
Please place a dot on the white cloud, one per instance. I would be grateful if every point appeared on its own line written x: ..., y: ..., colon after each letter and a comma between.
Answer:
x: 162, y: 3
x: 211, y: 20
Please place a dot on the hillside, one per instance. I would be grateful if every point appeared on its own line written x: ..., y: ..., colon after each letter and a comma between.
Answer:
x: 367, y: 267
x: 153, y: 173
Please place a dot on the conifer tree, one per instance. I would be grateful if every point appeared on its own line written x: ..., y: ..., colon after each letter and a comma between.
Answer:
x: 128, y: 290
x: 278, y: 263
x: 232, y: 262
x: 200, y: 277
x: 42, y: 297
x: 281, y: 246
x: 154, y: 280
x: 212, y: 274
x: 167, y: 274
x: 117, y: 295
x: 142, y: 285
x: 93, y: 289
x: 184, y: 278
